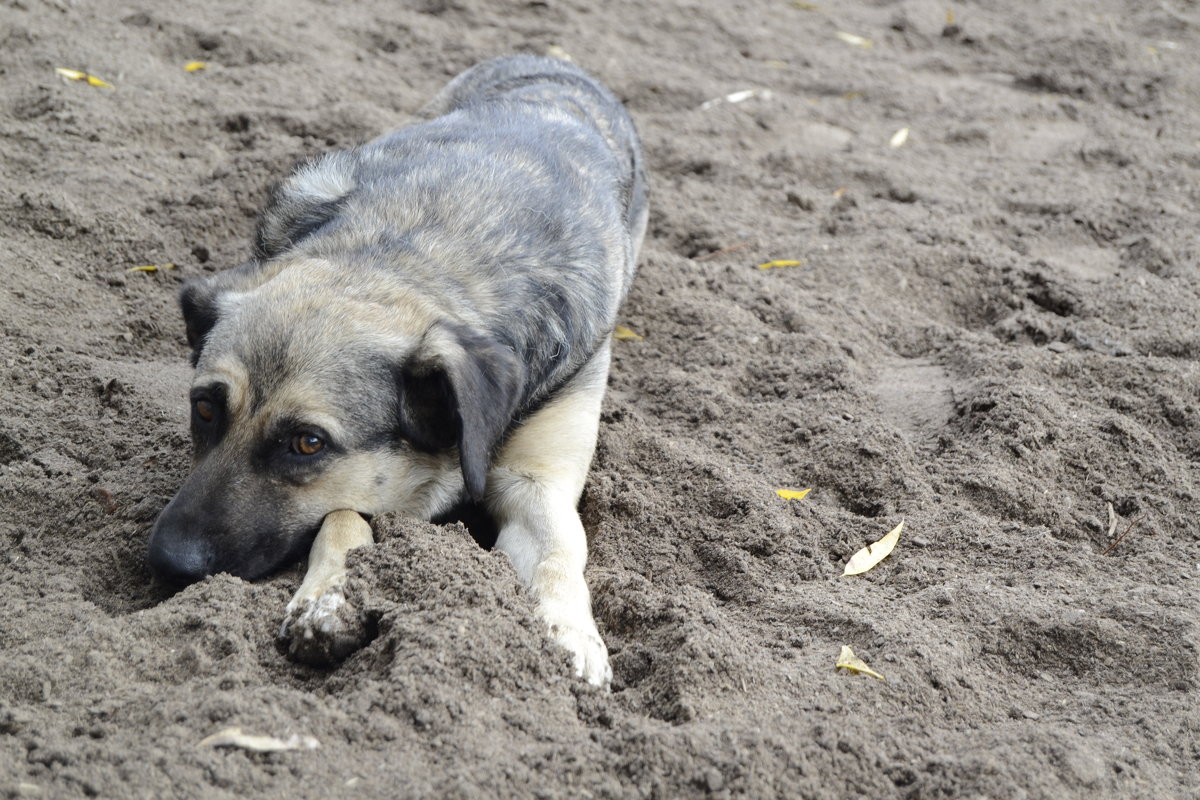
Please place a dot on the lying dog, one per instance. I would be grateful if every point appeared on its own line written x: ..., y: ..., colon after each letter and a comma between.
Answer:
x: 425, y: 322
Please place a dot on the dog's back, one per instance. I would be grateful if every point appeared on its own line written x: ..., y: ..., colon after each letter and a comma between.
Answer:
x: 553, y: 83
x: 499, y: 208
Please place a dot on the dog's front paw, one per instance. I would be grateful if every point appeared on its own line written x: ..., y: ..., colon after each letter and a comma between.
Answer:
x: 587, y: 650
x: 324, y: 628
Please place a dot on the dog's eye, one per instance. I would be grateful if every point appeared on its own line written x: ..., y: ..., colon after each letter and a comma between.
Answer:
x: 205, y: 410
x: 307, y: 444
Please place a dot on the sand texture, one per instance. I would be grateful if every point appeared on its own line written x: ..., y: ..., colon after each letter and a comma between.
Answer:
x: 992, y: 335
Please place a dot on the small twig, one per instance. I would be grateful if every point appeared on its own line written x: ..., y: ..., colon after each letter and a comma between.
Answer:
x: 1112, y: 522
x: 721, y: 252
x: 1120, y: 538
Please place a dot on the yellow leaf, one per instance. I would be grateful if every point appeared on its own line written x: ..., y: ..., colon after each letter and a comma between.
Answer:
x: 872, y: 554
x: 803, y: 6
x: 854, y: 39
x: 195, y: 66
x: 899, y: 138
x: 76, y: 75
x: 775, y: 63
x: 621, y: 332
x: 781, y: 263
x: 838, y: 192
x: 793, y: 494
x: 150, y: 268
x: 852, y: 663
x: 949, y: 16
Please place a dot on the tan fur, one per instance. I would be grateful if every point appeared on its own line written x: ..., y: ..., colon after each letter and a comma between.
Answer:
x: 318, y: 616
x: 341, y: 532
x: 532, y: 492
x: 423, y: 325
x: 232, y: 372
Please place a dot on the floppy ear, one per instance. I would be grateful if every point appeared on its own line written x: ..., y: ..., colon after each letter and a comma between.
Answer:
x: 461, y: 387
x: 304, y: 202
x: 198, y: 299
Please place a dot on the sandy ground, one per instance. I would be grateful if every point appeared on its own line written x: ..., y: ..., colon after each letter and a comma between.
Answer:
x: 992, y: 336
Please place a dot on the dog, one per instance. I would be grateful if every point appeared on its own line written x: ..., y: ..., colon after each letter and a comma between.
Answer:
x: 425, y: 323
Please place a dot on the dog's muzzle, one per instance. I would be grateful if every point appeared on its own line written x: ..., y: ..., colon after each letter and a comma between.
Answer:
x: 179, y: 559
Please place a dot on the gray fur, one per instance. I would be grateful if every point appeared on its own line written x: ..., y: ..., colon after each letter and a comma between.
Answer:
x: 503, y: 204
x: 465, y: 269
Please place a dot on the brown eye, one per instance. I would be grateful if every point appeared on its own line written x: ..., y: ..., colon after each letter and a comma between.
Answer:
x: 307, y: 444
x: 205, y: 410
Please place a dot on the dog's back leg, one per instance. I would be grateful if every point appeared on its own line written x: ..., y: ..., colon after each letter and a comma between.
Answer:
x: 319, y: 626
x: 533, y: 488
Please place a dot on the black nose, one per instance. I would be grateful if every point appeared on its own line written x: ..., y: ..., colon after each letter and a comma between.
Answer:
x: 179, y: 560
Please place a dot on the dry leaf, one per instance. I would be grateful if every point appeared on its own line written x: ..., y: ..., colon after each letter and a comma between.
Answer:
x: 854, y: 39
x: 899, y: 138
x: 793, y: 494
x: 195, y: 66
x: 76, y: 75
x: 838, y: 192
x: 621, y: 332
x: 782, y: 263
x: 872, y: 554
x: 740, y: 96
x: 852, y: 663
x: 235, y: 737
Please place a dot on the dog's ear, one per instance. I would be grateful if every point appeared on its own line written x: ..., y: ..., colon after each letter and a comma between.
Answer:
x: 199, y: 299
x: 461, y: 387
x: 304, y: 202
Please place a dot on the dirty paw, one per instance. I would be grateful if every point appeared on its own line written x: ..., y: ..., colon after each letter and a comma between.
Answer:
x: 323, y: 630
x: 588, y: 652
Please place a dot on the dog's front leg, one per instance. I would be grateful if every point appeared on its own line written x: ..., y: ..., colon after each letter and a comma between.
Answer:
x: 319, y: 626
x: 533, y: 489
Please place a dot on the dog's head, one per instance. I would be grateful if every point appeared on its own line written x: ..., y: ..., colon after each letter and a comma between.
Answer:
x: 317, y: 391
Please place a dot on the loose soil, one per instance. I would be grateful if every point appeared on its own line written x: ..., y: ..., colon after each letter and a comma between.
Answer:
x: 993, y: 335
